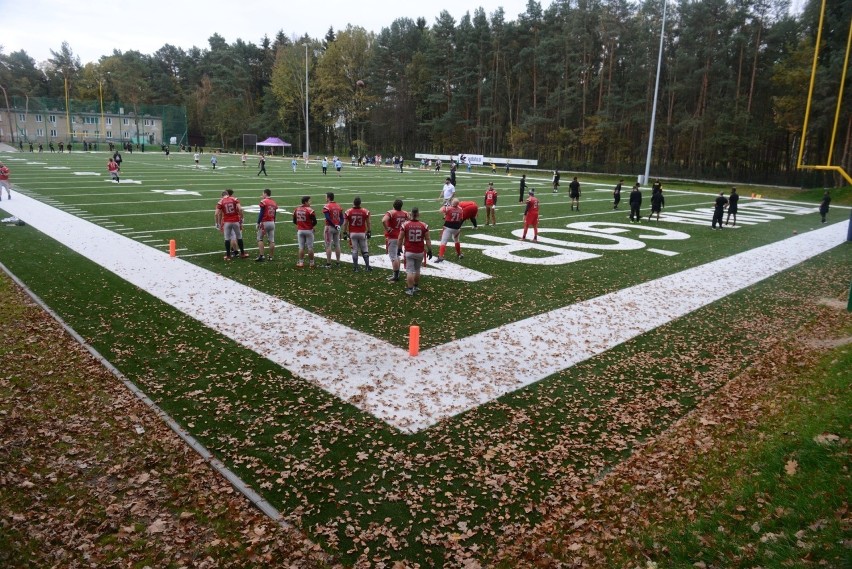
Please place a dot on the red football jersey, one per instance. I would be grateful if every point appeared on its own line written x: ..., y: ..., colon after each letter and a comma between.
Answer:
x: 335, y: 212
x: 268, y: 207
x: 532, y: 207
x: 414, y: 233
x: 303, y: 216
x: 4, y: 173
x: 229, y: 206
x: 396, y: 219
x: 453, y: 216
x: 469, y: 209
x: 490, y: 196
x: 112, y: 166
x: 357, y: 218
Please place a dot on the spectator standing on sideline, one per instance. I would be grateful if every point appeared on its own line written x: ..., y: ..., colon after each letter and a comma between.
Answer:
x: 523, y: 188
x: 356, y: 222
x: 574, y: 193
x: 266, y: 224
x: 414, y: 236
x: 733, y: 201
x: 719, y: 210
x: 657, y: 203
x: 453, y: 219
x: 447, y: 193
x: 392, y: 221
x: 305, y: 220
x: 490, y: 203
x: 555, y: 181
x: 531, y: 217
x: 113, y: 170
x: 261, y: 163
x: 823, y: 206
x: 616, y: 194
x: 635, y: 203
x: 4, y: 181
x: 333, y: 214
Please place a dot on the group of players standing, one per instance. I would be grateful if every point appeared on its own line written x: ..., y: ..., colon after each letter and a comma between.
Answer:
x: 403, y: 231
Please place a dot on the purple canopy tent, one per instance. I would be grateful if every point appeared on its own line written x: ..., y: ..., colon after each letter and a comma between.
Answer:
x: 273, y: 142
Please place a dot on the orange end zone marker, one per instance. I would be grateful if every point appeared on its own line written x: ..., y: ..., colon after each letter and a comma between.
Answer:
x: 172, y: 248
x: 414, y: 340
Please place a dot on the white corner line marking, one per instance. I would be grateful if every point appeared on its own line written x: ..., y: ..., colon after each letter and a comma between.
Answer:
x: 414, y: 393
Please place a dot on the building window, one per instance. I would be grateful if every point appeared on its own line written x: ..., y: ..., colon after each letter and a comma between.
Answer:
x: 125, y: 121
x: 91, y: 120
x: 52, y: 118
x: 39, y: 132
x: 125, y: 134
x: 39, y: 118
x: 109, y: 134
x: 109, y: 120
x: 23, y: 133
x: 53, y: 133
x: 22, y: 117
x: 149, y: 122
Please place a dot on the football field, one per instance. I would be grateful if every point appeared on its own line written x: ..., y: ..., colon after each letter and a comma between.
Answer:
x: 543, y: 363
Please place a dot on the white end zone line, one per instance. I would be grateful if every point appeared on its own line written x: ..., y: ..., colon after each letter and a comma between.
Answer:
x: 408, y: 393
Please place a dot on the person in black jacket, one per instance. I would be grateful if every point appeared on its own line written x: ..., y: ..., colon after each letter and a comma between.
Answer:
x: 823, y: 205
x: 732, y: 206
x: 635, y: 203
x: 657, y: 203
x: 719, y: 209
x: 616, y: 195
x: 523, y: 188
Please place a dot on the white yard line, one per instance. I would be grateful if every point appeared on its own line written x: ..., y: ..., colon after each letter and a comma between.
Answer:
x: 408, y: 393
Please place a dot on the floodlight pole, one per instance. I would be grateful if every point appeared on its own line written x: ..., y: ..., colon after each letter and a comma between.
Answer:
x: 67, y: 108
x: 656, y: 93
x: 101, y: 95
x: 307, y: 120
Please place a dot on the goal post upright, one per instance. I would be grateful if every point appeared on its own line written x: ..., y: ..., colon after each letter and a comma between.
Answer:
x: 828, y: 165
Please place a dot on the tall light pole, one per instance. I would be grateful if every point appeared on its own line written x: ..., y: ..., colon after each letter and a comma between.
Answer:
x: 101, y: 95
x: 8, y: 115
x: 67, y: 107
x: 656, y: 93
x: 307, y: 119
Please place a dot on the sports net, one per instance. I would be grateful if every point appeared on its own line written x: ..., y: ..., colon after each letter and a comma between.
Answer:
x: 249, y: 142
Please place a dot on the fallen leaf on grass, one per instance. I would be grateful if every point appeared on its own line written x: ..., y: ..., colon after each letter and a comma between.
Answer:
x: 791, y: 467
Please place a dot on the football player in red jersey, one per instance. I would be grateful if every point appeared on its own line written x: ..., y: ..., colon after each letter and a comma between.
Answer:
x: 531, y: 216
x: 356, y: 221
x: 305, y: 220
x: 453, y: 219
x: 490, y: 204
x: 266, y: 223
x: 470, y: 211
x: 4, y: 182
x: 229, y: 216
x: 392, y: 222
x: 333, y: 214
x: 414, y: 236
